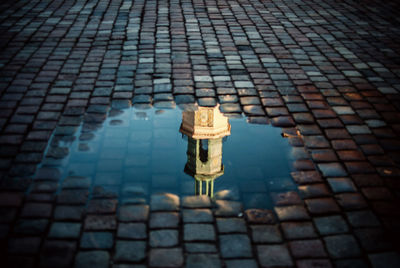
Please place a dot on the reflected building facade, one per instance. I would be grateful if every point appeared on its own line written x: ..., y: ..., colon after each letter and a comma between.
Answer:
x: 205, y: 129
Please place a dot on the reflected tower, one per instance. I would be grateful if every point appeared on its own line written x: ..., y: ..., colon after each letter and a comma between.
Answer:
x: 205, y: 129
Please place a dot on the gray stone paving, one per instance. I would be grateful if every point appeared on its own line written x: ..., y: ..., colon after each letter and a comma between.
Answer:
x: 326, y: 72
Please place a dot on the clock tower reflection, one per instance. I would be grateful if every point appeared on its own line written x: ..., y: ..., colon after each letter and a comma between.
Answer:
x: 205, y: 129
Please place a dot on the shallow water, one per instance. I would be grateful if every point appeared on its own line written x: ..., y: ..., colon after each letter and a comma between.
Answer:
x: 134, y: 153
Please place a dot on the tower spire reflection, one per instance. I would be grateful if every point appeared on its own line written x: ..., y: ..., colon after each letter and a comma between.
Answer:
x: 205, y: 129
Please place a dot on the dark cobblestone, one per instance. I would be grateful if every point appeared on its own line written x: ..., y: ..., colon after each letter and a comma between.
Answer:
x: 325, y: 72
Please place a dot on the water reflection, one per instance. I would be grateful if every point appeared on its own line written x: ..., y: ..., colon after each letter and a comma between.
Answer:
x: 134, y: 153
x: 205, y: 128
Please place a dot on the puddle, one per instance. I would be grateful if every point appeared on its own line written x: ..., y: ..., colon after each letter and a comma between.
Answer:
x: 133, y: 153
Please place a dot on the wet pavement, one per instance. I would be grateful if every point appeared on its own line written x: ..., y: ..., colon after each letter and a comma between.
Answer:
x: 199, y: 133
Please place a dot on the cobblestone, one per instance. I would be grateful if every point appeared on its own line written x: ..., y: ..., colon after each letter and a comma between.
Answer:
x: 235, y: 246
x: 327, y: 73
x: 172, y: 257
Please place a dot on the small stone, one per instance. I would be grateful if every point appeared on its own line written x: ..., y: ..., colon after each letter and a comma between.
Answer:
x: 203, y: 260
x: 64, y: 230
x: 197, y: 216
x: 289, y: 213
x: 24, y: 245
x: 166, y: 257
x: 316, y: 263
x: 164, y: 238
x: 57, y: 254
x: 37, y: 210
x: 164, y: 202
x: 130, y: 251
x: 100, y: 222
x: 363, y: 218
x: 132, y: 231
x: 199, y: 232
x: 331, y: 225
x: 99, y: 206
x: 341, y: 185
x: 342, y: 246
x: 263, y: 216
x: 164, y: 220
x: 98, y: 259
x: 298, y: 230
x: 274, y: 255
x: 241, y: 263
x: 228, y: 208
x: 198, y: 201
x: 322, y: 205
x: 31, y: 226
x: 332, y: 170
x: 200, y: 248
x: 231, y: 225
x: 266, y: 234
x: 307, y: 249
x: 385, y: 259
x: 133, y: 213
x: 97, y: 240
x: 69, y: 212
x: 235, y: 246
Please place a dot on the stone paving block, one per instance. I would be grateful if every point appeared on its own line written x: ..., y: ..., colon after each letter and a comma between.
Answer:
x: 342, y: 246
x: 203, y: 260
x: 171, y: 257
x: 200, y: 248
x: 286, y: 198
x: 201, y: 201
x: 97, y: 240
x: 231, y: 225
x: 198, y: 232
x: 24, y: 245
x: 314, y: 263
x: 235, y: 246
x: 64, y: 230
x: 197, y: 216
x: 68, y: 212
x: 384, y: 259
x: 274, y: 256
x: 248, y: 263
x: 314, y: 190
x: 266, y: 234
x: 100, y: 223
x: 129, y: 251
x: 72, y: 197
x: 298, y: 230
x: 19, y: 261
x: 164, y: 202
x: 288, y: 213
x: 132, y: 231
x: 332, y: 170
x: 373, y: 239
x: 102, y: 206
x: 133, y: 213
x: 341, y: 185
x: 92, y: 259
x: 31, y: 226
x: 164, y: 220
x: 36, y: 210
x: 57, y: 253
x: 307, y: 248
x: 330, y: 225
x: 164, y: 238
x: 228, y: 208
x: 322, y: 205
x: 362, y: 218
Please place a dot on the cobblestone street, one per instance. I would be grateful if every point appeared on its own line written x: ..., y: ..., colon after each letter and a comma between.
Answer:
x: 325, y: 73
